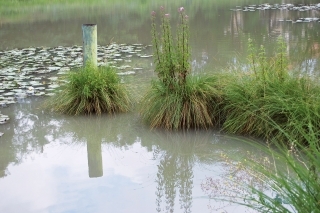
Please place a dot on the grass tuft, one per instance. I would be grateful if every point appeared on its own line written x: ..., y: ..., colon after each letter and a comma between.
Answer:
x: 182, y: 107
x: 269, y: 92
x: 178, y: 100
x: 91, y: 90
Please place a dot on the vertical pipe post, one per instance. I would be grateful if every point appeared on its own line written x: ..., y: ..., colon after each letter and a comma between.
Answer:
x: 89, y: 35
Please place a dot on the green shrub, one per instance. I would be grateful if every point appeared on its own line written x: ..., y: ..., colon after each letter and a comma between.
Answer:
x: 91, y: 90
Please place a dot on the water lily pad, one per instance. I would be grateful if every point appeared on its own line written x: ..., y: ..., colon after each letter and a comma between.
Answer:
x: 35, y: 83
x: 8, y: 94
x: 10, y: 102
x: 53, y: 86
x: 53, y: 68
x: 54, y: 78
x: 21, y: 95
x: 146, y: 56
x: 40, y: 94
x: 50, y: 94
x: 124, y: 67
x: 40, y: 88
x: 127, y: 73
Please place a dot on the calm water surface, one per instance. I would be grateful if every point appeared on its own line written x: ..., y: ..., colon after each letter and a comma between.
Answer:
x: 52, y: 163
x: 62, y: 164
x: 218, y: 35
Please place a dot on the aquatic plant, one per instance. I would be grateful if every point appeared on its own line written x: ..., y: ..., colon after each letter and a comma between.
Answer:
x: 269, y: 92
x: 171, y: 59
x: 277, y: 179
x: 91, y: 90
x: 177, y: 100
x: 269, y: 102
x: 182, y: 107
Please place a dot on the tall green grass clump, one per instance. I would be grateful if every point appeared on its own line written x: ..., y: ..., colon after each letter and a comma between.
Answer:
x: 266, y: 92
x: 91, y: 90
x: 177, y: 100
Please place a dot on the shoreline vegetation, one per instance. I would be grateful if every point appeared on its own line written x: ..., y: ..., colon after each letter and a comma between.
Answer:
x: 264, y: 100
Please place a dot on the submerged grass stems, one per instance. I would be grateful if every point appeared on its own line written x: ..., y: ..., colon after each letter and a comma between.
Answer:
x: 269, y: 92
x: 91, y: 90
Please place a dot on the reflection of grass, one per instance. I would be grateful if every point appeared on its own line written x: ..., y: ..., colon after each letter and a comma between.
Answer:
x: 91, y: 90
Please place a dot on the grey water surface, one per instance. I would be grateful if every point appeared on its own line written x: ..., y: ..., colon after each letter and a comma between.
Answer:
x: 56, y: 163
x: 64, y: 164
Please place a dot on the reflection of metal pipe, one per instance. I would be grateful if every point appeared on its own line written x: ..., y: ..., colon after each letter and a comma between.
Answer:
x: 89, y: 34
x: 94, y: 159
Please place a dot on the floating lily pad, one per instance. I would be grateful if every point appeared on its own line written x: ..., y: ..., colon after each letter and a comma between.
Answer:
x: 127, y: 73
x: 53, y: 86
x: 21, y: 95
x: 8, y: 94
x: 40, y: 88
x: 146, y: 56
x: 39, y: 93
x: 50, y: 94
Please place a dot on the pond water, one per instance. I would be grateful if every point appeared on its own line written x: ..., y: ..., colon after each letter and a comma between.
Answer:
x: 57, y: 163
x: 219, y: 33
x: 52, y: 163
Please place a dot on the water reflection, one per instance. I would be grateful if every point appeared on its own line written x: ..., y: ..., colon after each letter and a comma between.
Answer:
x: 215, y: 29
x: 178, y: 153
x: 94, y: 159
x: 149, y: 171
x: 27, y: 133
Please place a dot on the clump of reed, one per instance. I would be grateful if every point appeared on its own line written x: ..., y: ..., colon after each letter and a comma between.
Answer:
x: 177, y: 100
x: 269, y: 92
x: 270, y: 102
x: 91, y: 90
x: 182, y: 107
